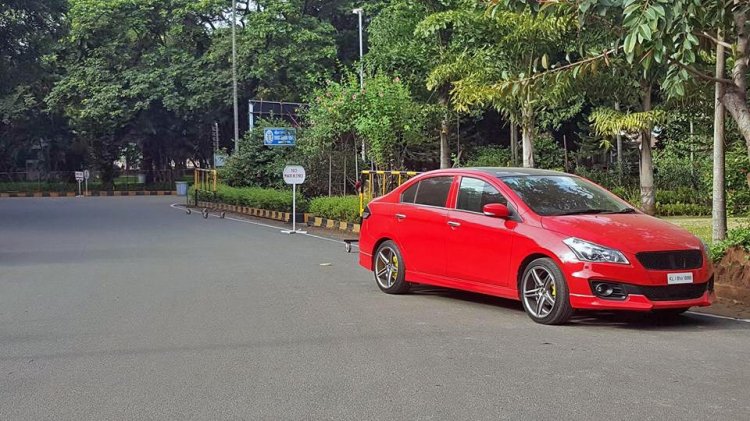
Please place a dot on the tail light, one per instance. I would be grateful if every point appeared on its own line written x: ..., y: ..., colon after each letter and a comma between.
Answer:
x: 366, y: 213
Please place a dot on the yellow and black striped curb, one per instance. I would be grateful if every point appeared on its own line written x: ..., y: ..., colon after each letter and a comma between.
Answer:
x: 309, y: 219
x: 316, y: 221
x: 246, y: 210
x: 91, y: 193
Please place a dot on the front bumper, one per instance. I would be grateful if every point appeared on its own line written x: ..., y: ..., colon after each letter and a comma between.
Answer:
x: 647, y: 289
x: 635, y: 302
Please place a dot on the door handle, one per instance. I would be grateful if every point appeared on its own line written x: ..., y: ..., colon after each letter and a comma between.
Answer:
x: 454, y: 224
x: 400, y: 216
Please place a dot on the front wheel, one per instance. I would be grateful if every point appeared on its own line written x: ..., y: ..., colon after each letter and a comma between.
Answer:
x: 544, y: 293
x: 389, y: 269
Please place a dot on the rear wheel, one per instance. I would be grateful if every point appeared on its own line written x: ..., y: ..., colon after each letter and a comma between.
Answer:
x: 389, y: 269
x: 544, y: 293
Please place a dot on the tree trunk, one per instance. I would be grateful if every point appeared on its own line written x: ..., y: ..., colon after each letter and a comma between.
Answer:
x: 514, y: 144
x: 736, y: 103
x: 735, y: 97
x: 619, y: 147
x: 719, y: 206
x: 527, y: 136
x: 445, y: 151
x: 648, y: 193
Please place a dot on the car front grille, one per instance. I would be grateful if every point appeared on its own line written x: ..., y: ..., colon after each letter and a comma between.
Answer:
x: 671, y: 260
x: 671, y: 292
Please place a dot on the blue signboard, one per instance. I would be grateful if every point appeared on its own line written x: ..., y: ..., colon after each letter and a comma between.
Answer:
x: 275, y: 136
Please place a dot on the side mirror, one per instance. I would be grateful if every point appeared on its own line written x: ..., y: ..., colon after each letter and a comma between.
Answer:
x: 496, y: 210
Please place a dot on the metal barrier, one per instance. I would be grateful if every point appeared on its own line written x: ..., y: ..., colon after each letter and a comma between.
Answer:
x: 205, y: 180
x: 373, y: 184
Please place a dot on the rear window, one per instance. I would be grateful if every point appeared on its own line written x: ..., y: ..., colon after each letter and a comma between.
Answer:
x: 434, y: 191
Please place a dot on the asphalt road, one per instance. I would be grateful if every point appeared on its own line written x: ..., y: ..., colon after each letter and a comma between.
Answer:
x: 125, y: 308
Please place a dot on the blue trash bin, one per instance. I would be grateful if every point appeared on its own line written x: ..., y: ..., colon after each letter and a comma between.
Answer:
x: 182, y: 188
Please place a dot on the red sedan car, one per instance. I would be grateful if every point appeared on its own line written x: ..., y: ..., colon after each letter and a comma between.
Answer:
x: 554, y: 241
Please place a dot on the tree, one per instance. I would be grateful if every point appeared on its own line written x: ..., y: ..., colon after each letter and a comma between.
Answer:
x: 29, y: 31
x: 499, y: 48
x: 383, y: 114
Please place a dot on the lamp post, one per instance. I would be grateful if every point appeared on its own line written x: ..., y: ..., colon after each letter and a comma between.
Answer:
x: 234, y: 77
x: 360, y: 12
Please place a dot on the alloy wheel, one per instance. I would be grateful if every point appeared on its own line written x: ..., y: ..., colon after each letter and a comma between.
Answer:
x: 386, y: 267
x: 539, y: 291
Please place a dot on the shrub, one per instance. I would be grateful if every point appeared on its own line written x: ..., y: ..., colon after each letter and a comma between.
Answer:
x: 682, y: 209
x: 254, y: 197
x: 340, y: 208
x: 489, y: 156
x: 738, y: 237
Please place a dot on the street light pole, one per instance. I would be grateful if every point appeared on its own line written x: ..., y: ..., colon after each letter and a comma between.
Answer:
x: 234, y: 77
x: 359, y: 12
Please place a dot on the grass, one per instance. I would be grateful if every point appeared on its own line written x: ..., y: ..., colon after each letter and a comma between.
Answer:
x: 701, y: 226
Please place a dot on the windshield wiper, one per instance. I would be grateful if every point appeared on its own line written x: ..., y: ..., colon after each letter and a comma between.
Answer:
x: 584, y: 212
x: 626, y: 210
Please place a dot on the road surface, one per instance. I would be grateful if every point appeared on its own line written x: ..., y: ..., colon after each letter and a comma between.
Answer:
x: 126, y: 308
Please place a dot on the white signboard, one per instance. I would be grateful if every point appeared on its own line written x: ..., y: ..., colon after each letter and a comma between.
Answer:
x: 294, y: 174
x: 79, y: 176
x: 86, y: 174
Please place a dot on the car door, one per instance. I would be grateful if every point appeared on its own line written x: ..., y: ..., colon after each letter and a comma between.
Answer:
x: 421, y: 225
x: 478, y: 247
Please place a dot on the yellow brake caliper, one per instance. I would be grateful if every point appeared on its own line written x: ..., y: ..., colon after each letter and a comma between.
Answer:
x: 395, y: 266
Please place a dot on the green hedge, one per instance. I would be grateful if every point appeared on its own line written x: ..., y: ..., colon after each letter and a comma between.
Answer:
x: 340, y: 208
x: 682, y: 209
x: 254, y: 197
x: 31, y: 186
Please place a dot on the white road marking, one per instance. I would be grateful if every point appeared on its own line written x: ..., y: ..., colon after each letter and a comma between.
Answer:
x: 716, y: 316
x: 260, y: 224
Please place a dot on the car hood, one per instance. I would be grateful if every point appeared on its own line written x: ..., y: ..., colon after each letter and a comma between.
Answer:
x: 626, y: 232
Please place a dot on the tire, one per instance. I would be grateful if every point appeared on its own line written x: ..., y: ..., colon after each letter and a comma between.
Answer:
x: 543, y: 280
x: 389, y: 269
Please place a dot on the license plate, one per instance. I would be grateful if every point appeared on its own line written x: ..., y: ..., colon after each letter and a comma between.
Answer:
x: 679, y: 278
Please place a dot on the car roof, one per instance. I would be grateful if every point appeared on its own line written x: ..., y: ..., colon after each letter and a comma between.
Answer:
x: 502, y: 172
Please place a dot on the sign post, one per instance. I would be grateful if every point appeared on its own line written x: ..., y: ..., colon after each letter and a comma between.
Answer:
x: 86, y: 175
x: 79, y: 179
x: 294, y: 174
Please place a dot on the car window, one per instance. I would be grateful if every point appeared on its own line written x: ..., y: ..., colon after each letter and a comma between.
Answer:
x: 552, y: 195
x: 434, y: 191
x: 410, y: 194
x: 474, y: 194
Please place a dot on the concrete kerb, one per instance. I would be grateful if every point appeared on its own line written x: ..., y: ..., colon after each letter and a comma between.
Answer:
x: 308, y: 219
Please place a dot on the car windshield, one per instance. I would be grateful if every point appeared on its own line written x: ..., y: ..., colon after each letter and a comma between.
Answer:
x: 552, y: 195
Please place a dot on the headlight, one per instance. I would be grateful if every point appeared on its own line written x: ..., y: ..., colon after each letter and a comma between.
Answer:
x: 590, y: 252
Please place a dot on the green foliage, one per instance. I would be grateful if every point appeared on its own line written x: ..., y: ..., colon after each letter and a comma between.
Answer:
x: 736, y: 238
x: 489, y: 156
x: 258, y: 165
x: 383, y: 114
x: 548, y: 154
x: 254, y: 197
x: 339, y: 208
x: 611, y: 122
x: 682, y: 209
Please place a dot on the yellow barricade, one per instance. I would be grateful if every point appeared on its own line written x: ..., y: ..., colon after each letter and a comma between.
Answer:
x: 373, y: 184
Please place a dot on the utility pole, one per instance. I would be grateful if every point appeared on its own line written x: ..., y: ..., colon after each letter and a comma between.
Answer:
x: 234, y: 78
